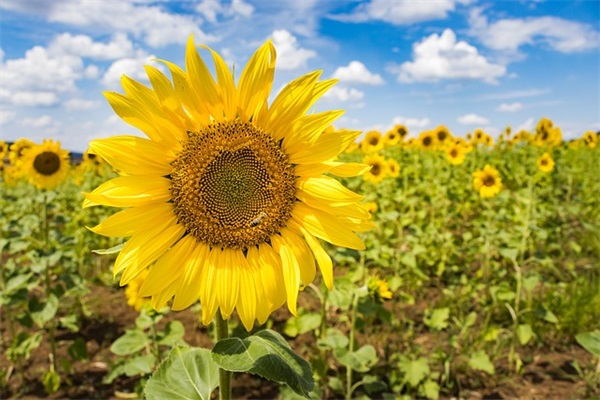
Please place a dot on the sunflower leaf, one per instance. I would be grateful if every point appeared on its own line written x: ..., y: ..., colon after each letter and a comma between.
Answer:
x: 186, y: 373
x: 266, y: 354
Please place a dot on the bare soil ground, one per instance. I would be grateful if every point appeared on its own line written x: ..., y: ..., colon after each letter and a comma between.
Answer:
x: 548, y: 375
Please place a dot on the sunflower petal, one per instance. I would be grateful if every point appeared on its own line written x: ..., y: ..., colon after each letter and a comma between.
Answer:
x: 226, y: 85
x: 247, y: 299
x: 326, y: 227
x: 256, y: 81
x: 323, y: 259
x: 290, y: 268
x: 327, y: 146
x: 130, y: 191
x: 202, y: 82
x: 134, y: 155
x: 127, y: 222
x: 190, y: 288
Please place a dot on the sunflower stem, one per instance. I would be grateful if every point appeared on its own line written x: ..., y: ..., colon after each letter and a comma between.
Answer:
x: 48, y: 288
x: 224, y: 376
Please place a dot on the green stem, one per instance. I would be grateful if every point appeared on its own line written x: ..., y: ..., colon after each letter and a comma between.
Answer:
x: 224, y: 376
x: 349, y: 388
x: 48, y: 286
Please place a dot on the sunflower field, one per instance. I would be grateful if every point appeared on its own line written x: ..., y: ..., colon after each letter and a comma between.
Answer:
x: 451, y: 266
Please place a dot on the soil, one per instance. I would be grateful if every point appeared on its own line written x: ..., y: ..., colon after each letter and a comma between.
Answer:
x: 548, y: 374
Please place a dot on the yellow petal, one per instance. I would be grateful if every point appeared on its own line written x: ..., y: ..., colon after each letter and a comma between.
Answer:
x: 226, y: 86
x: 323, y: 259
x: 145, y: 247
x: 346, y: 170
x: 168, y: 267
x: 246, y: 303
x: 308, y: 128
x: 130, y: 191
x: 228, y: 281
x: 327, y: 189
x: 163, y: 88
x: 190, y: 286
x: 306, y: 261
x: 127, y: 222
x: 202, y: 82
x: 290, y: 269
x: 134, y: 155
x: 256, y: 81
x: 326, y: 227
x: 160, y: 299
x: 208, y: 285
x: 327, y: 146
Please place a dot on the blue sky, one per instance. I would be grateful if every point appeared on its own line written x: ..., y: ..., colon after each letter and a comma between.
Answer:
x: 463, y: 63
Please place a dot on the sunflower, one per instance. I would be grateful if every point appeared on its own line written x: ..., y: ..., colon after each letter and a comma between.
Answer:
x: 371, y: 206
x: 132, y: 292
x: 378, y: 168
x: 545, y: 163
x: 426, y: 140
x: 487, y: 182
x: 590, y: 139
x: 18, y: 149
x: 3, y: 150
x: 46, y: 165
x: 455, y: 154
x: 442, y: 136
x: 372, y: 142
x: 391, y: 138
x: 547, y: 134
x: 478, y: 136
x: 393, y: 168
x: 226, y: 200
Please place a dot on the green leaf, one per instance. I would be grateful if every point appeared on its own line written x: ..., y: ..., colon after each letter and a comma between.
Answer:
x: 51, y: 382
x: 333, y: 339
x: 267, y: 354
x: 173, y: 334
x: 524, y: 333
x: 414, y: 370
x: 186, y: 373
x: 509, y: 253
x: 22, y: 346
x: 438, y: 319
x: 43, y: 312
x: 78, y: 350
x: 131, y: 342
x: 303, y: 323
x: 361, y: 360
x: 590, y: 341
x: 140, y: 365
x: 112, y: 250
x: 480, y: 361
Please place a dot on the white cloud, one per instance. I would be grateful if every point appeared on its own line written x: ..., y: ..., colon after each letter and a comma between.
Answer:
x: 29, y: 98
x: 289, y: 54
x: 442, y: 57
x: 132, y: 67
x: 85, y: 46
x: 472, y: 119
x: 413, y: 124
x: 340, y: 93
x: 509, y: 34
x: 6, y: 116
x: 211, y: 9
x: 400, y: 12
x: 79, y: 104
x: 43, y: 121
x: 510, y: 107
x: 516, y: 94
x: 357, y: 72
x: 150, y: 22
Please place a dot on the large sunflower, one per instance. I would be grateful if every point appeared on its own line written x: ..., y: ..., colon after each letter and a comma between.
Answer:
x: 487, y: 182
x: 227, y: 199
x: 46, y: 165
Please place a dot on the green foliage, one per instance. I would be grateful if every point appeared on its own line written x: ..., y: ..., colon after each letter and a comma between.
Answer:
x: 267, y: 354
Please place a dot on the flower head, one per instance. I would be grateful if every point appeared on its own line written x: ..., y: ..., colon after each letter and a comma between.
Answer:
x: 372, y: 142
x: 379, y: 289
x: 487, y: 182
x: 545, y: 163
x: 46, y: 165
x: 378, y: 168
x: 455, y: 154
x: 226, y: 200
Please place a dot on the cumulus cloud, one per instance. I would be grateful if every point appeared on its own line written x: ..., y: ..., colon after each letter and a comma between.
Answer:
x: 511, y: 33
x: 510, y: 107
x: 289, y: 53
x: 150, y: 22
x: 211, y: 9
x: 443, y: 57
x: 43, y: 121
x: 133, y: 67
x: 356, y: 72
x: 6, y: 116
x: 472, y: 119
x: 400, y: 12
x: 344, y: 94
x: 84, y: 46
x: 79, y: 104
x: 528, y: 125
x: 412, y: 123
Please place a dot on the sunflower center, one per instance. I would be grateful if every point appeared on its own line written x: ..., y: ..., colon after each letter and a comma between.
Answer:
x: 232, y: 185
x: 375, y: 169
x: 374, y: 141
x: 426, y: 141
x: 489, y: 180
x: 544, y: 162
x: 46, y: 163
x: 441, y: 136
x: 453, y: 153
x: 402, y: 132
